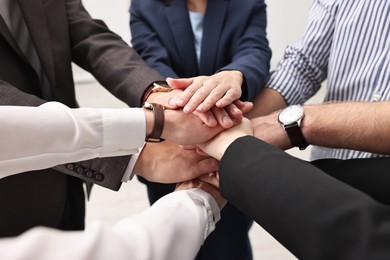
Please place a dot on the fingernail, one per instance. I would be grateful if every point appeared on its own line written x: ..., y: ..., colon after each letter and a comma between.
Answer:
x: 172, y: 102
x: 236, y: 110
x: 212, y: 120
x: 226, y: 120
x: 180, y: 102
x: 200, y: 108
x: 187, y: 109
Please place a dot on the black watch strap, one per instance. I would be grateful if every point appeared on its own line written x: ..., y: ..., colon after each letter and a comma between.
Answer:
x: 158, y: 112
x: 296, y: 137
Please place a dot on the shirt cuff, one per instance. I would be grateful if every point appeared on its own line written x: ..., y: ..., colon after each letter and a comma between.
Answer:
x: 123, y: 129
x: 129, y: 174
x: 212, y: 208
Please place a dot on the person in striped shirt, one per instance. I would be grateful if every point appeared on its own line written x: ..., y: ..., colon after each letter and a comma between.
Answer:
x: 346, y: 43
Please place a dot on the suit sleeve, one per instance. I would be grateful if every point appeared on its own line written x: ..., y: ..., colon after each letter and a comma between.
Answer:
x: 312, y: 214
x: 104, y: 54
x: 251, y: 53
x: 147, y: 43
x: 12, y: 96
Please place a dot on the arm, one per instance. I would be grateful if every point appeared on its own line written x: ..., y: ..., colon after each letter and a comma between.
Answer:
x: 146, y: 41
x: 351, y: 125
x: 304, y: 66
x: 307, y: 211
x: 246, y: 69
x: 81, y: 134
x: 183, y: 220
x: 52, y: 134
x: 112, y: 62
x: 355, y: 125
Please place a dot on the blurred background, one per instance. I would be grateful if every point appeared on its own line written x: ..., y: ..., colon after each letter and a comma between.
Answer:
x: 286, y: 23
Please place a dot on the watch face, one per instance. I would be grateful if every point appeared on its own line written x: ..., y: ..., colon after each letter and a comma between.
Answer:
x: 291, y: 114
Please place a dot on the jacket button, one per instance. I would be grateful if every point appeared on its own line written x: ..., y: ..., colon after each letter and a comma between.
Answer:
x: 88, y: 173
x: 98, y: 177
x: 69, y: 166
x: 79, y: 169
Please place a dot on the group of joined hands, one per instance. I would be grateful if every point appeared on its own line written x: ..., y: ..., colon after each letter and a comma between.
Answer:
x: 203, y: 116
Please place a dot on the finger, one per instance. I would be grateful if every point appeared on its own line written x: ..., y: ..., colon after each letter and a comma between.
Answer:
x: 222, y: 117
x: 198, y: 97
x: 200, y: 152
x: 211, y: 99
x: 180, y: 83
x: 185, y: 185
x: 166, y: 99
x: 234, y: 111
x: 210, y: 179
x: 207, y: 118
x: 208, y: 165
x: 230, y: 96
x: 245, y: 107
x: 187, y: 94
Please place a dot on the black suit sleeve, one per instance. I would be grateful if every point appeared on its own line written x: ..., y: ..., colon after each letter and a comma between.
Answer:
x: 312, y: 214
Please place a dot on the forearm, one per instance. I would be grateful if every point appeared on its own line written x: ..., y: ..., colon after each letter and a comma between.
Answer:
x: 65, y: 135
x: 306, y: 210
x: 354, y: 125
x: 266, y: 102
x: 173, y: 228
x: 113, y: 63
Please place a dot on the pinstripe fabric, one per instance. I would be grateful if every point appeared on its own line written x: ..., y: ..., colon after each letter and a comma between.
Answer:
x: 346, y: 42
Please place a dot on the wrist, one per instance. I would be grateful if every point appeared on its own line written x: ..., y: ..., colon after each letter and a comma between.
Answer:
x: 157, y: 87
x: 149, y: 121
x: 154, y: 123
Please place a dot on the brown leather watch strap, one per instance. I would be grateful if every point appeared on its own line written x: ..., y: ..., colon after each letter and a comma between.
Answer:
x: 158, y: 112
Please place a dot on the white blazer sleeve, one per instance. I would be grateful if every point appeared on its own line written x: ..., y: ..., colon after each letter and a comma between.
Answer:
x: 33, y: 138
x: 174, y: 228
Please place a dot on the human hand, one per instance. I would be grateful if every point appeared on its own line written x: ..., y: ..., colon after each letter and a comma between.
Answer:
x: 167, y: 162
x: 210, y: 189
x: 187, y: 129
x: 268, y: 129
x: 166, y: 99
x: 203, y: 92
x: 217, y: 146
x: 227, y: 116
x: 211, y: 178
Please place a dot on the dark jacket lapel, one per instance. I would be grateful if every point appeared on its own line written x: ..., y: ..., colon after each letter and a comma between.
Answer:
x: 5, y: 32
x: 34, y: 16
x: 212, y: 28
x: 179, y: 22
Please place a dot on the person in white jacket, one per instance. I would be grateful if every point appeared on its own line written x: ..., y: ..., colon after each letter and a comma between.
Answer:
x: 51, y: 134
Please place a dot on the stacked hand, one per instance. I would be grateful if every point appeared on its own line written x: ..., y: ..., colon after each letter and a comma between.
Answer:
x: 167, y: 162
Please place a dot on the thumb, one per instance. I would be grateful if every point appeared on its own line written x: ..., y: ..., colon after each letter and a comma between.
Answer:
x: 180, y: 83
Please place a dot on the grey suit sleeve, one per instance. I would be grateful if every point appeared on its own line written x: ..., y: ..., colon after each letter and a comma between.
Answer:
x: 312, y: 214
x: 12, y: 96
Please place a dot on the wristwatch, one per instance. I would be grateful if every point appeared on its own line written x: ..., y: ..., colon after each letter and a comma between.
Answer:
x: 290, y: 118
x: 158, y: 112
x: 157, y: 87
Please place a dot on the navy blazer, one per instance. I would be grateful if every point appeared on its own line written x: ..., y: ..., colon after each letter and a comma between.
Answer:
x: 234, y: 38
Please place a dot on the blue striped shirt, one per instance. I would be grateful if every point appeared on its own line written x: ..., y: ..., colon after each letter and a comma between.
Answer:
x: 346, y: 42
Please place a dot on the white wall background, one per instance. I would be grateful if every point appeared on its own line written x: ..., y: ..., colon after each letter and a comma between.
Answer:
x: 286, y: 20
